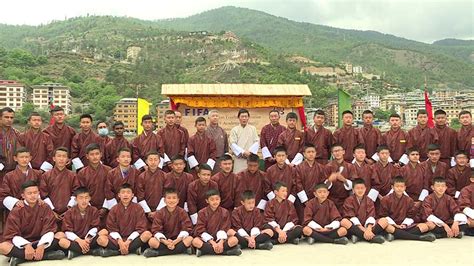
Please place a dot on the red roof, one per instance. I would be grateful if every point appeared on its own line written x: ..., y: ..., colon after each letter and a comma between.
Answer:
x: 10, y: 83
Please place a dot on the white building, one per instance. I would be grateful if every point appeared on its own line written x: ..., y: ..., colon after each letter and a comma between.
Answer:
x: 57, y: 94
x: 12, y: 94
x: 372, y: 100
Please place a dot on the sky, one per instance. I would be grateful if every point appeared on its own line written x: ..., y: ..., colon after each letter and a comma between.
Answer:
x: 421, y: 20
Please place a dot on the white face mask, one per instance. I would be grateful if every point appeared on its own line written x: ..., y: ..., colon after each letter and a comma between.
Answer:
x: 103, y: 132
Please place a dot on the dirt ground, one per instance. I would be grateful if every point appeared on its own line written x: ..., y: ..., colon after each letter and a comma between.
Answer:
x: 441, y: 252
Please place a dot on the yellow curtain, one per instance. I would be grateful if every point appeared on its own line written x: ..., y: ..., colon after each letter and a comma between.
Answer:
x: 143, y: 109
x: 238, y: 101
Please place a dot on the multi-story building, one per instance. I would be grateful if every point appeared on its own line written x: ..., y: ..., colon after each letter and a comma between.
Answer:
x: 52, y: 93
x: 161, y: 108
x: 372, y: 100
x: 12, y: 94
x: 126, y: 112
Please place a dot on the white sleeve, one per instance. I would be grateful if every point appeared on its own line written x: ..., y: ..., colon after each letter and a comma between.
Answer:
x: 115, y: 235
x: 370, y: 220
x: 355, y: 221
x: 92, y: 232
x: 424, y: 193
x: 192, y: 162
x: 270, y: 195
x: 242, y: 232
x: 261, y: 204
x: 140, y: 163
x: 144, y: 206
x: 254, y: 148
x: 77, y: 163
x: 266, y: 153
x: 194, y: 218
x: 45, y: 166
x: 373, y: 194
x: 72, y: 202
x: 288, y: 226
x: 348, y: 184
x: 71, y: 235
x: 333, y: 225
x: 469, y: 212
x: 236, y: 149
x: 133, y: 235
x: 435, y: 220
x: 255, y: 231
x: 273, y: 224
x: 390, y: 220
x: 460, y: 217
x: 314, y: 225
x: 49, y: 202
x: 291, y: 198
x: 298, y: 159
x: 46, y: 239
x: 9, y: 202
x: 302, y: 196
x: 160, y: 236
x: 161, y: 205
x: 19, y: 241
x: 111, y: 203
x: 221, y: 235
x: 408, y: 221
x: 330, y: 183
x: 211, y: 163
x: 206, y: 237
x: 183, y: 234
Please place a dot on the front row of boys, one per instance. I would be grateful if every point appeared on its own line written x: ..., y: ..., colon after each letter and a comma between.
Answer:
x: 31, y: 231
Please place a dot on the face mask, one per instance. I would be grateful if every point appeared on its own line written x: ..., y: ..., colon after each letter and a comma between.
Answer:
x: 103, y: 132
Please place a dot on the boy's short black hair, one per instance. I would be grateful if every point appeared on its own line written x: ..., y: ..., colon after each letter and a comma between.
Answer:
x: 200, y: 119
x: 63, y: 149
x: 279, y: 184
x: 412, y: 149
x: 308, y: 146
x: 118, y: 123
x: 319, y: 112
x: 464, y: 112
x: 81, y: 190
x: 253, y: 158
x: 367, y: 112
x: 461, y: 152
x: 439, y: 112
x: 85, y: 116
x: 169, y: 112
x: 124, y: 149
x: 320, y: 185
x: 126, y: 186
x: 27, y: 184
x: 247, y: 194
x: 359, y: 146
x: 212, y: 192
x: 177, y: 157
x: 147, y: 118
x: 438, y: 179
x: 394, y: 115
x: 170, y: 191
x: 225, y: 157
x: 243, y: 111
x: 336, y: 145
x: 22, y: 150
x: 347, y: 112
x: 152, y: 152
x: 56, y: 109
x: 91, y: 147
x: 204, y: 166
x: 382, y: 147
x: 433, y: 147
x: 291, y: 115
x: 421, y: 112
x: 358, y: 181
x: 279, y: 149
x: 398, y: 179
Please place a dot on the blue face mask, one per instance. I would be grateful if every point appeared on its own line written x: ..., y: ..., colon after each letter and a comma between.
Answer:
x: 103, y: 132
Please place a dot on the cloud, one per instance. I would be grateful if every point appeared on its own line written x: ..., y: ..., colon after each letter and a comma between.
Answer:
x: 422, y: 20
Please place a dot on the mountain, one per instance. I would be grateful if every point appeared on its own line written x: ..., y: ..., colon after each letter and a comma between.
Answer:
x: 403, y: 61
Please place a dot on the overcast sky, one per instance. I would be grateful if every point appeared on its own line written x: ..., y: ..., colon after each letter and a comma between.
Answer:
x: 422, y: 20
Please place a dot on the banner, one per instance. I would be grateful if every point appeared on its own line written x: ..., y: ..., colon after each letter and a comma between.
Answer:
x: 343, y: 103
x: 143, y: 108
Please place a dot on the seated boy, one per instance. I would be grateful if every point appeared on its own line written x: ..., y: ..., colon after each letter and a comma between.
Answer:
x: 280, y: 216
x: 179, y: 180
x: 400, y: 212
x: 210, y: 233
x: 127, y: 226
x: 29, y: 233
x: 197, y: 190
x: 171, y: 229
x: 442, y: 213
x: 466, y: 204
x: 150, y: 186
x: 322, y: 219
x: 81, y: 225
x: 247, y: 224
x: 359, y: 216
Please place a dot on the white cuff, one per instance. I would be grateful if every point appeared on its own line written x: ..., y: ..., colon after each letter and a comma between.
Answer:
x: 435, y: 220
x: 19, y: 241
x: 456, y: 195
x: 92, y: 232
x: 160, y: 236
x: 266, y: 153
x: 404, y: 159
x: 333, y: 225
x: 221, y: 235
x: 255, y: 231
x: 9, y: 202
x: 292, y: 198
x: 302, y: 196
x: 408, y: 221
x: 314, y: 225
x: 46, y: 239
x: 160, y: 165
x: 185, y: 207
x: 133, y: 235
x: 139, y: 164
x: 375, y: 157
x: 373, y: 194
x: 206, y: 237
x: 348, y: 184
x: 236, y: 149
x: 270, y: 195
x: 104, y: 204
x: 49, y: 202
x: 287, y: 161
x: 330, y: 183
x: 144, y: 206
x: 161, y: 205
x: 115, y: 235
x: 111, y: 203
x: 298, y: 159
x: 135, y: 199
x: 72, y: 202
x: 390, y: 220
x: 77, y: 163
x: 45, y: 166
x: 211, y: 163
x: 183, y: 234
x: 71, y: 235
x: 192, y: 162
x: 288, y: 226
x: 424, y: 193
x: 273, y: 224
x: 370, y: 220
x: 194, y: 218
x: 469, y: 212
x: 471, y: 163
x: 461, y: 218
x: 166, y: 159
x: 355, y: 221
x: 254, y: 148
x: 261, y: 204
x: 1, y: 166
x: 242, y: 232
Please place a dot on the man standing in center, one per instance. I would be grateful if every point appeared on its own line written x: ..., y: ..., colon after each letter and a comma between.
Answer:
x: 243, y: 140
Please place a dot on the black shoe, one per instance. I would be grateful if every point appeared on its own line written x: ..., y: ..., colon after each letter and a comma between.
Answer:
x: 274, y: 241
x: 311, y: 240
x: 267, y: 245
x: 430, y: 237
x: 109, y: 252
x: 151, y: 252
x: 198, y: 253
x: 72, y: 254
x: 96, y: 252
x: 341, y: 241
x: 189, y: 250
x: 461, y: 234
x: 54, y: 255
x: 15, y: 261
x: 354, y: 239
x: 378, y: 239
x: 295, y: 241
x: 236, y: 251
x: 390, y: 237
x: 138, y: 251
